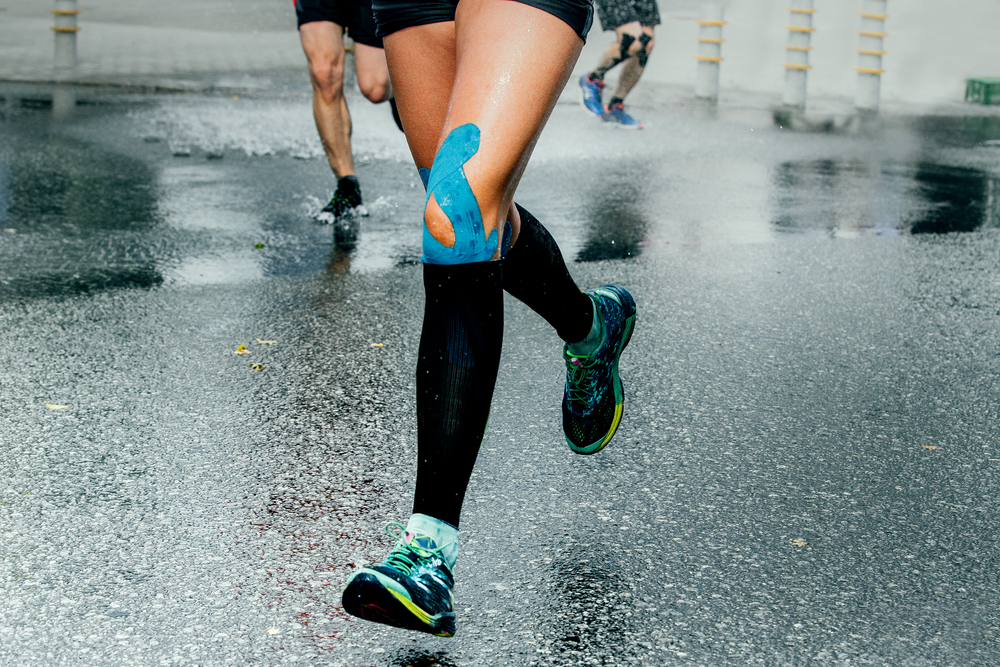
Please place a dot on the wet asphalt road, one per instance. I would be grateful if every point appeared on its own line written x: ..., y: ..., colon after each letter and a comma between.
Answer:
x: 807, y: 471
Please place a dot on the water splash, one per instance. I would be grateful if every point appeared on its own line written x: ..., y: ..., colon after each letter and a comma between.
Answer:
x: 259, y: 128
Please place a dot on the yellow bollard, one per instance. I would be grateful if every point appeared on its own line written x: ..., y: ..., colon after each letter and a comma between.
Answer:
x: 709, y: 51
x: 800, y: 30
x: 871, y: 38
x: 64, y: 25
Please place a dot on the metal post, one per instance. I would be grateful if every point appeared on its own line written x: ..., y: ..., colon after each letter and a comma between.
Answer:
x: 65, y: 27
x: 63, y: 100
x: 800, y: 29
x: 709, y: 50
x: 870, y: 52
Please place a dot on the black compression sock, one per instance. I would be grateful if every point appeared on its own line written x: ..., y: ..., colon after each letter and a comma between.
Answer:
x: 535, y: 273
x: 616, y: 100
x: 457, y: 367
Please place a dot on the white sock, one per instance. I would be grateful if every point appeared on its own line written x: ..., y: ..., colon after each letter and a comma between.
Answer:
x: 441, y: 532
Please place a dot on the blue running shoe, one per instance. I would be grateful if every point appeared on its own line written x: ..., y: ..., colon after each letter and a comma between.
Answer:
x: 410, y: 589
x: 594, y: 398
x: 616, y: 114
x: 590, y: 95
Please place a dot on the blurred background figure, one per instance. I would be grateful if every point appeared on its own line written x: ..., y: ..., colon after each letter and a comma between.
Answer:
x: 632, y: 21
x: 322, y: 24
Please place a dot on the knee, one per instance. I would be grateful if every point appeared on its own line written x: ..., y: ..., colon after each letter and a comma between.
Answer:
x: 626, y: 45
x: 374, y: 87
x: 644, y: 44
x: 327, y: 75
x: 454, y: 232
x: 645, y: 47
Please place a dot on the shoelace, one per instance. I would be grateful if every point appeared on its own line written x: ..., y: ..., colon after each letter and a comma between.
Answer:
x: 398, y: 558
x: 581, y: 382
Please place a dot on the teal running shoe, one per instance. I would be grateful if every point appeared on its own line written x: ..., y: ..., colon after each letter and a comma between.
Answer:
x: 616, y: 114
x: 410, y: 589
x: 590, y: 95
x: 594, y: 398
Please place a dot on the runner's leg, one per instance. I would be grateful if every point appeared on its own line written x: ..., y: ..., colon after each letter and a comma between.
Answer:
x: 373, y: 74
x: 323, y: 43
x: 634, y: 66
x: 507, y: 103
x: 473, y: 109
x: 625, y: 46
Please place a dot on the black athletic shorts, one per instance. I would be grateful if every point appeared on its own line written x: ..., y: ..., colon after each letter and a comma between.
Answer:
x: 393, y: 15
x: 355, y: 15
x: 616, y: 13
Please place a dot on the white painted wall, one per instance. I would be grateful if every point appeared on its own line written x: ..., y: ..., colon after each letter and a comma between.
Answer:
x: 932, y: 47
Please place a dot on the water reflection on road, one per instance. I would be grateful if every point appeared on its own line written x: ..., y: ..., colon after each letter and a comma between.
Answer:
x: 95, y: 195
x: 846, y: 198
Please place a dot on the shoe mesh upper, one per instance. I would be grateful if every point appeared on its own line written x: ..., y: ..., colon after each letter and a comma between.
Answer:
x: 590, y: 399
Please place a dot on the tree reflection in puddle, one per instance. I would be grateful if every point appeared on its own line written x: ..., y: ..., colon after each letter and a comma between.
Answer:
x: 859, y: 198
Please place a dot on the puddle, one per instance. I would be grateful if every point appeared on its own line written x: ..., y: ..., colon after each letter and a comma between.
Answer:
x: 93, y: 196
x: 850, y: 198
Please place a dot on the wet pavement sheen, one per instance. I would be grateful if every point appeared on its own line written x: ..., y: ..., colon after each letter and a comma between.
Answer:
x: 806, y: 469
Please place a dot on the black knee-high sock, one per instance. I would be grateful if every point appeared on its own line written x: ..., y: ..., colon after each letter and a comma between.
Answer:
x: 535, y: 273
x: 457, y: 367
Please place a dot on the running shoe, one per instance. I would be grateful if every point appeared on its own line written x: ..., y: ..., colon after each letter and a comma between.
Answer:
x: 410, y: 589
x: 594, y: 397
x: 616, y: 114
x: 590, y: 95
x: 345, y: 199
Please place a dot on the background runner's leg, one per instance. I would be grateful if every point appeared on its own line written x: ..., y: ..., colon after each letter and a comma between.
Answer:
x: 323, y: 42
x: 373, y: 73
x: 627, y: 35
x: 633, y: 68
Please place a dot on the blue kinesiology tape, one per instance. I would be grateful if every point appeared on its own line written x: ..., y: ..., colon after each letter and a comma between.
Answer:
x: 425, y: 174
x: 452, y: 193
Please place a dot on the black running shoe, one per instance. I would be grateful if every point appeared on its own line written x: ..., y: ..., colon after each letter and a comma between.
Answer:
x: 395, y: 114
x: 594, y: 398
x: 345, y: 199
x: 410, y: 589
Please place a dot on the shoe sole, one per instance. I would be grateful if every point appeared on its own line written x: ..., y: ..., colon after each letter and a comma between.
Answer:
x: 623, y: 126
x: 583, y: 104
x: 386, y: 602
x: 615, y: 379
